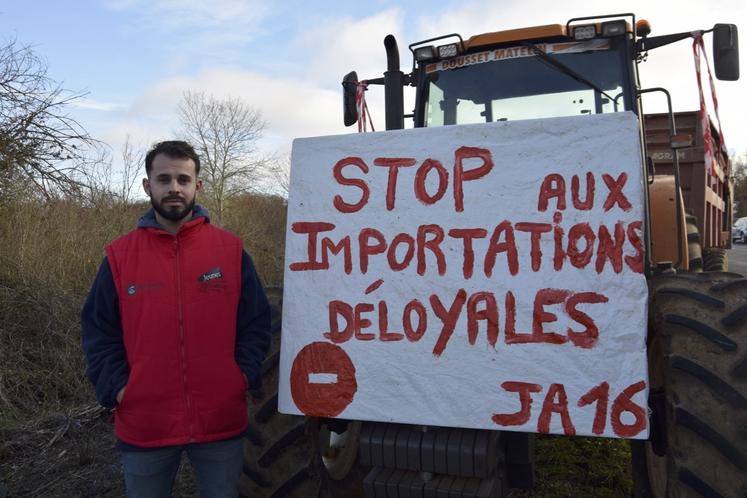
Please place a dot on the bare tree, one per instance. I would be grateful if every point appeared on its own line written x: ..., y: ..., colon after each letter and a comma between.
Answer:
x: 96, y: 176
x: 279, y: 175
x: 132, y: 162
x: 225, y: 133
x: 39, y: 142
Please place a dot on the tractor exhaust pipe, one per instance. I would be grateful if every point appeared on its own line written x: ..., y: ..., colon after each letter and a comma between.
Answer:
x: 393, y: 87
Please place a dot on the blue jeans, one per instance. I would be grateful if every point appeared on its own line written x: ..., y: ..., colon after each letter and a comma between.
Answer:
x: 151, y: 473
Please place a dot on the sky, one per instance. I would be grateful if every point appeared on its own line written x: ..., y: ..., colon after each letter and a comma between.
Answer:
x: 134, y: 59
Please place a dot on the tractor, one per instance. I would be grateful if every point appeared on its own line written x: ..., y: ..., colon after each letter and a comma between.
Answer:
x: 697, y: 322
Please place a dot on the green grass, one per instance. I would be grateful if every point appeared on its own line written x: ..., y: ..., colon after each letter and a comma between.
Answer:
x: 583, y: 467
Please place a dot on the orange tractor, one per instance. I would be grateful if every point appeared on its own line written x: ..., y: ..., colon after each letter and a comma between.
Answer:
x: 697, y: 337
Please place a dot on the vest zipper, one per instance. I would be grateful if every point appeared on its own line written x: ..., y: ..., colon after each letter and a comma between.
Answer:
x: 182, y: 349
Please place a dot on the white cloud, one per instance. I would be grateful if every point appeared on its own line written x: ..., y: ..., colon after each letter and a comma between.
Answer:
x: 96, y: 105
x: 291, y: 109
x: 352, y: 44
x: 310, y: 104
x: 141, y: 134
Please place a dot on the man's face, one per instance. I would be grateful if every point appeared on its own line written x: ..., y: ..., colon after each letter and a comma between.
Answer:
x: 172, y: 186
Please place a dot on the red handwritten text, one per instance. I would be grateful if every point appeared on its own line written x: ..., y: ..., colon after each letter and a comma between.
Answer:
x: 556, y: 404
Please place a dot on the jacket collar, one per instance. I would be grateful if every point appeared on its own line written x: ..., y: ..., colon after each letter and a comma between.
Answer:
x: 148, y: 220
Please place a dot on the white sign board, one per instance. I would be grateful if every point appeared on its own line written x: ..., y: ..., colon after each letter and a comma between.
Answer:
x: 483, y: 276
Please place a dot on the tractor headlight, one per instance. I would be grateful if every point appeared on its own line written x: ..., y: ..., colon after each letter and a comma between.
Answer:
x: 613, y: 28
x: 450, y: 50
x: 425, y: 53
x: 585, y: 32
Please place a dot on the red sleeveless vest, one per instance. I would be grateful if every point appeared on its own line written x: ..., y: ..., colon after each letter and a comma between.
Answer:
x: 178, y: 300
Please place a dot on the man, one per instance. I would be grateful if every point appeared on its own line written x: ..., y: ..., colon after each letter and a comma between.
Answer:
x: 175, y: 329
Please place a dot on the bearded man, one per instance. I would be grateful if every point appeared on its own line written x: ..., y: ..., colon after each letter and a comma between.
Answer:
x: 174, y: 330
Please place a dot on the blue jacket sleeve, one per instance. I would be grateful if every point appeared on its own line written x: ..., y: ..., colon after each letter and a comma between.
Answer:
x: 253, y: 333
x: 103, y: 345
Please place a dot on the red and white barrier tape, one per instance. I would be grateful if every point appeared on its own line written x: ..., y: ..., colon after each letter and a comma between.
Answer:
x: 360, y: 104
x: 708, y: 146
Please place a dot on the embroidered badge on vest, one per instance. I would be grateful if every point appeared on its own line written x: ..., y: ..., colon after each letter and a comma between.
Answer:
x: 133, y: 289
x: 210, y: 275
x: 211, y: 281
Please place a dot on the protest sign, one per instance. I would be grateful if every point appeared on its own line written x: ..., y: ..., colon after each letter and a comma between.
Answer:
x: 481, y: 276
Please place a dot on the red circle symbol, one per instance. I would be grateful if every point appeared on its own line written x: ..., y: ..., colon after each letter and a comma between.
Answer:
x: 322, y: 380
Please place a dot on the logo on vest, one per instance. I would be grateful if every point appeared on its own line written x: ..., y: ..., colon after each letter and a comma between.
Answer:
x: 211, y: 281
x: 211, y: 275
x: 133, y: 289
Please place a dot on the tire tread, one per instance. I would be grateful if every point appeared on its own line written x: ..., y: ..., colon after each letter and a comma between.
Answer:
x: 697, y: 361
x: 706, y: 331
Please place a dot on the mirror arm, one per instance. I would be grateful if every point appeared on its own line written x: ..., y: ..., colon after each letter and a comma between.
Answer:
x: 652, y: 42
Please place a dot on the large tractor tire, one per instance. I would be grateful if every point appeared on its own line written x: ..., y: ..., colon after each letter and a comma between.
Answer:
x: 697, y: 350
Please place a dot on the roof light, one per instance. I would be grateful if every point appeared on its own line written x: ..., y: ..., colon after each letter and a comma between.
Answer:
x: 449, y: 50
x: 425, y: 53
x: 643, y: 28
x: 613, y: 28
x: 584, y: 32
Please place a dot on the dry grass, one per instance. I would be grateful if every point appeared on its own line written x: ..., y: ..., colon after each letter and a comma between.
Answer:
x: 49, y: 254
x: 260, y: 222
x: 53, y: 440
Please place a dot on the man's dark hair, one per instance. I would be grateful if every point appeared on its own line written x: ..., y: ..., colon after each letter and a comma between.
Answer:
x: 175, y: 149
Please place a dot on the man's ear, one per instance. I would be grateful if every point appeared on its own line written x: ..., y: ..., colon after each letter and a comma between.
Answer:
x: 198, y: 186
x: 146, y: 186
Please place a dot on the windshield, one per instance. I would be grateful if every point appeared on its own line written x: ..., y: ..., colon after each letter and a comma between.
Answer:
x: 512, y: 83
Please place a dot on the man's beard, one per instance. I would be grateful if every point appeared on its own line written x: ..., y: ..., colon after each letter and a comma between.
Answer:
x: 173, y: 212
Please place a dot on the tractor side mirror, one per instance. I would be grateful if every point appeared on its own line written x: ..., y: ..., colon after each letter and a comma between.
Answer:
x: 726, y: 52
x: 349, y: 86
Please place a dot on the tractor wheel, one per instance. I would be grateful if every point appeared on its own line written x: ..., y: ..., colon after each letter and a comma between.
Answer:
x: 697, y: 351
x: 293, y: 456
x: 715, y: 259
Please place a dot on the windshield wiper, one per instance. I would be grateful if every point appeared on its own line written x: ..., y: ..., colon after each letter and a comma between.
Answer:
x: 566, y: 69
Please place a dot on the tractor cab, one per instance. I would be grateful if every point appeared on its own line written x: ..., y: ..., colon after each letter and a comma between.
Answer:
x: 538, y: 73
